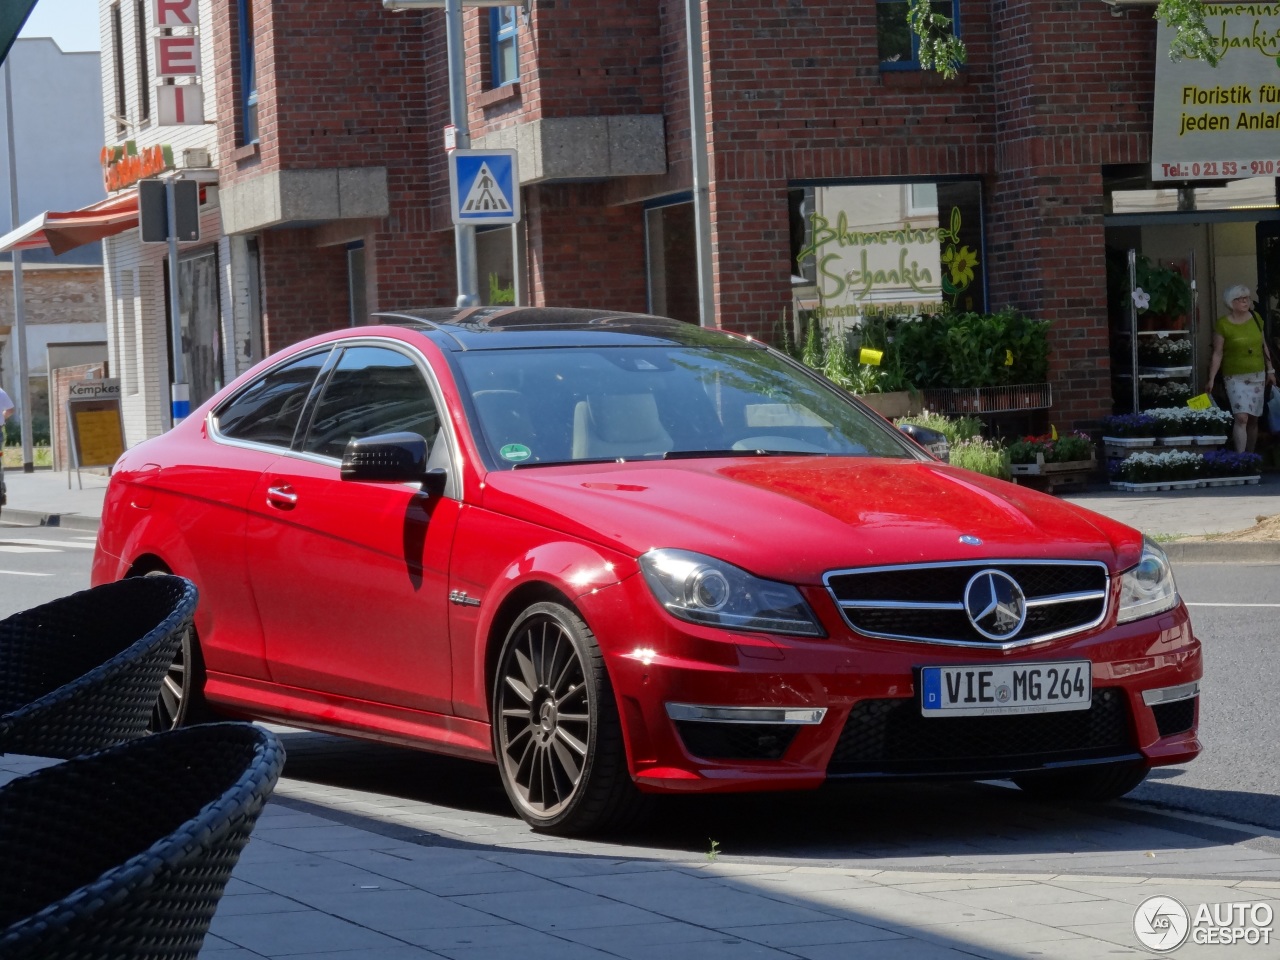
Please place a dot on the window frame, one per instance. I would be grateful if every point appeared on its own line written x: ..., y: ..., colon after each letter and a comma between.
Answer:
x: 144, y: 67
x: 914, y: 62
x: 500, y: 34
x: 247, y: 74
x: 121, y: 115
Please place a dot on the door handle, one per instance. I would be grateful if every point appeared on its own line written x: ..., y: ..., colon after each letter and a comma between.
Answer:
x: 282, y: 497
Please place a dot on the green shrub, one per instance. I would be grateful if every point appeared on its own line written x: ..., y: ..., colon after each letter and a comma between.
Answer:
x: 955, y: 429
x: 982, y: 456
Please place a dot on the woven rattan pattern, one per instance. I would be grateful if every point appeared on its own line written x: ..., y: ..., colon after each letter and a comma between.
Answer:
x: 83, y: 672
x: 125, y: 853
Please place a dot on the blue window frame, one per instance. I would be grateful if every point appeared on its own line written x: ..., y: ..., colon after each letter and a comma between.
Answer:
x: 898, y: 45
x: 248, y: 74
x: 503, y: 51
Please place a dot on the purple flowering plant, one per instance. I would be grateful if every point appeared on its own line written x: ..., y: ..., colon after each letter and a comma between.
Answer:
x: 1228, y: 463
x: 1129, y: 425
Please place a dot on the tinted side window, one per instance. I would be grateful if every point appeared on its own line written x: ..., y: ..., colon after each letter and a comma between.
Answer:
x: 267, y: 410
x: 371, y: 390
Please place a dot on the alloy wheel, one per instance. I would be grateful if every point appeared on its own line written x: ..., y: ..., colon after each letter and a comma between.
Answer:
x: 545, y: 716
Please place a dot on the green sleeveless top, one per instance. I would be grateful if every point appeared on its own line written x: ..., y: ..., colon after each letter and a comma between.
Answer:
x: 1241, y: 347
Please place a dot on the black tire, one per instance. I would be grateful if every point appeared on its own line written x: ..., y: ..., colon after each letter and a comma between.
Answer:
x: 181, y: 702
x: 556, y: 733
x: 1085, y: 784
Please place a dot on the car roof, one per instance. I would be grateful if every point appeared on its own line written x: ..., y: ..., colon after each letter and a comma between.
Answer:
x: 502, y: 327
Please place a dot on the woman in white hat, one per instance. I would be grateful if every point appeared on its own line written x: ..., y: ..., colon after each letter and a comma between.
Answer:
x: 1240, y: 352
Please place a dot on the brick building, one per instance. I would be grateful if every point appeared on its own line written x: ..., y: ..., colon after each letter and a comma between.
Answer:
x: 841, y: 176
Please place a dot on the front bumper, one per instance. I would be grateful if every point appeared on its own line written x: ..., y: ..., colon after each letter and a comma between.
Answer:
x: 705, y: 710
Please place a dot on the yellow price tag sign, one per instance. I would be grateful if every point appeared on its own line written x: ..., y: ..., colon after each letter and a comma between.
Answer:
x: 1053, y: 432
x: 1200, y: 402
x: 870, y: 357
x: 1008, y: 358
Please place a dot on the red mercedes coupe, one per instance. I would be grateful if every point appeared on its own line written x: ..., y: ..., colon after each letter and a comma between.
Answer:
x: 621, y: 555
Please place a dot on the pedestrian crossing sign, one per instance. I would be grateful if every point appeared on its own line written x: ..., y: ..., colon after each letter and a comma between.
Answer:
x: 484, y: 186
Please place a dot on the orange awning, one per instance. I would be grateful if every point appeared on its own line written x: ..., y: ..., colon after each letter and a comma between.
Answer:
x: 61, y: 232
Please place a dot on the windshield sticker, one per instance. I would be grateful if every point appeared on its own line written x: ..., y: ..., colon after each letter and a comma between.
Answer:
x: 515, y: 452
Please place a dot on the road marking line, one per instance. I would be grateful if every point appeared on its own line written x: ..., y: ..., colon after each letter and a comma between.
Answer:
x: 46, y: 543
x: 23, y: 573
x: 7, y: 548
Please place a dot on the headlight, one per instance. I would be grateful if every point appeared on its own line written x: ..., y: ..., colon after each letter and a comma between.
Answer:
x: 702, y: 589
x: 1148, y: 588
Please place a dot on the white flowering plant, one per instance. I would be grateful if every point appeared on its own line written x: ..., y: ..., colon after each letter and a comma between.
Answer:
x: 1166, y: 467
x: 1164, y: 351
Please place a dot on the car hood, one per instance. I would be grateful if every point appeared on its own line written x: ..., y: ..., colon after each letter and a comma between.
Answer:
x: 793, y: 518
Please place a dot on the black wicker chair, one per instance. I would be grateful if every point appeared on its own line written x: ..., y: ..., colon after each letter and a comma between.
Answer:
x: 83, y: 672
x: 125, y: 853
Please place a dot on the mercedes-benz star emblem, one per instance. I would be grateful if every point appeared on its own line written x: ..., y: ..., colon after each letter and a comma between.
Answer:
x: 995, y: 603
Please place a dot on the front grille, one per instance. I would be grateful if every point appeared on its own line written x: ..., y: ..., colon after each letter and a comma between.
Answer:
x: 736, y: 741
x: 1176, y: 717
x: 890, y: 737
x: 925, y: 602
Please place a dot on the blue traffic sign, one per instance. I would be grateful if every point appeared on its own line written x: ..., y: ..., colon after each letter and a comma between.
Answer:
x: 484, y: 186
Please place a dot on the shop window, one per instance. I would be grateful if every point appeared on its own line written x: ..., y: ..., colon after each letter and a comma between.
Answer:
x: 358, y: 311
x: 495, y: 265
x: 898, y: 45
x: 144, y: 73
x: 248, y: 74
x: 864, y: 249
x: 201, y: 317
x: 671, y: 248
x: 121, y: 108
x: 502, y: 45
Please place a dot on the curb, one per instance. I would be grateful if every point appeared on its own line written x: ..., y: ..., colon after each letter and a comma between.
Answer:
x: 1217, y: 551
x: 67, y: 521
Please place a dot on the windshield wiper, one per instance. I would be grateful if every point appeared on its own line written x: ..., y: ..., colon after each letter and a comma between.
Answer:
x: 754, y: 452
x: 525, y: 464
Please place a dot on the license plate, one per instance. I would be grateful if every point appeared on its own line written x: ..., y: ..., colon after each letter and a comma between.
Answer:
x: 1008, y: 688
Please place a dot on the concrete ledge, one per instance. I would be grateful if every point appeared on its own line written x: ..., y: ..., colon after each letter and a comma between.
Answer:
x: 1223, y: 551
x: 583, y: 148
x: 298, y: 197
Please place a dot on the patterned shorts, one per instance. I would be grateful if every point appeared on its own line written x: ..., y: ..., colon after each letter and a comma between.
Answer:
x: 1244, y: 390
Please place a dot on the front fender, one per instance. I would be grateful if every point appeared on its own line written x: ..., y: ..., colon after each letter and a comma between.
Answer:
x: 505, y: 582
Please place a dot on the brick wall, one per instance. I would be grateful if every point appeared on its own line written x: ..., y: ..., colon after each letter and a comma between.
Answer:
x: 53, y: 294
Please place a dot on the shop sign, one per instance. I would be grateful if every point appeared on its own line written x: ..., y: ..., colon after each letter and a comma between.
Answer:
x: 1223, y: 122
x: 177, y: 57
x: 870, y: 251
x: 123, y: 166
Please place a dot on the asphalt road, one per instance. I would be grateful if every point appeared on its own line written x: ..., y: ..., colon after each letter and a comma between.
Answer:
x: 1237, y: 778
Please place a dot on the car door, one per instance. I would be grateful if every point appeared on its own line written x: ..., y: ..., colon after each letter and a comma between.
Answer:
x: 350, y: 577
x: 204, y: 490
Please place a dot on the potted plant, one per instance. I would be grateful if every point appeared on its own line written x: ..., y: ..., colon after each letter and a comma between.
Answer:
x: 1169, y: 467
x: 1161, y: 294
x: 1210, y: 427
x: 1164, y: 352
x: 1222, y: 464
x: 1129, y: 430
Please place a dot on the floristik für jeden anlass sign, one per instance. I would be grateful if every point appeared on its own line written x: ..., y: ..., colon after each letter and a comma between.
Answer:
x: 1220, y: 122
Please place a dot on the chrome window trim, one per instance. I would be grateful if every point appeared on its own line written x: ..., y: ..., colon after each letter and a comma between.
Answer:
x: 453, y: 486
x: 845, y: 605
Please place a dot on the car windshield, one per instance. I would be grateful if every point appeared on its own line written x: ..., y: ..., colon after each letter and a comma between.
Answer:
x: 612, y: 402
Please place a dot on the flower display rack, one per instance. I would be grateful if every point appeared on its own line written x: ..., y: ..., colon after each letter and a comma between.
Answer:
x: 1054, y: 475
x: 1183, y: 484
x: 969, y: 400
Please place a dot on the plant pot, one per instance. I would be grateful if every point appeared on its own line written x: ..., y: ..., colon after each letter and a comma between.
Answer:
x: 900, y: 403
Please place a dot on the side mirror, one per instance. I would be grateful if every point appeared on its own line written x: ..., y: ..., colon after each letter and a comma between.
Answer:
x: 392, y: 458
x: 932, y: 440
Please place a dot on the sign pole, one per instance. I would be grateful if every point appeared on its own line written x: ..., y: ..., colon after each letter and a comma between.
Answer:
x: 464, y: 234
x: 23, y: 385
x: 179, y: 405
